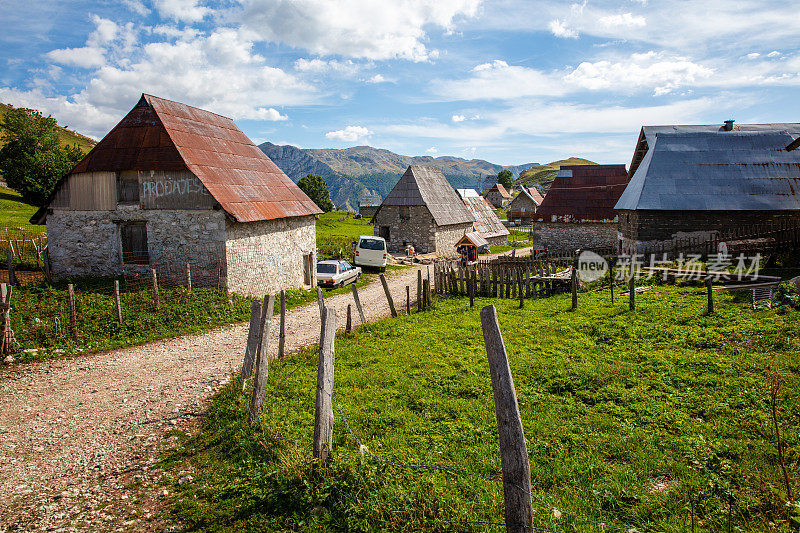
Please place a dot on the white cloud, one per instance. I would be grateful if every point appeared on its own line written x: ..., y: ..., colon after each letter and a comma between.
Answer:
x: 181, y: 10
x: 378, y: 78
x: 459, y: 118
x: 82, y: 57
x: 559, y: 28
x: 624, y: 20
x: 355, y: 28
x: 653, y: 70
x: 93, y: 53
x: 774, y: 53
x: 137, y: 7
x: 499, y: 80
x: 322, y: 66
x: 753, y: 55
x: 349, y: 134
x: 432, y: 150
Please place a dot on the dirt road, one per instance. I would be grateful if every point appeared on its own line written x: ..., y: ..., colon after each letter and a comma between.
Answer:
x: 78, y: 437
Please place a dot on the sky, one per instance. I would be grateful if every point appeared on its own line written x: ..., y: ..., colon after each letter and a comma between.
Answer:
x: 509, y: 81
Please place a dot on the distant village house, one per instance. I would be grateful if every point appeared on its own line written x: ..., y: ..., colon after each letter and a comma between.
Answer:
x: 487, y: 224
x: 173, y: 183
x: 423, y: 210
x: 498, y: 196
x: 578, y: 209
x: 522, y: 208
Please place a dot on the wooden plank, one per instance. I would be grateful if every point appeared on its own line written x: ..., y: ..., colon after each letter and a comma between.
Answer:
x: 349, y: 324
x: 252, y: 342
x: 358, y: 304
x: 282, y: 330
x: 73, y: 318
x: 388, y: 296
x: 710, y: 293
x: 419, y: 290
x: 513, y: 450
x: 5, y: 318
x: 323, y: 412
x: 631, y: 293
x: 156, y: 296
x: 408, y: 299
x: 574, y: 287
x: 262, y: 361
x: 189, y: 278
x: 12, y: 275
x: 117, y: 301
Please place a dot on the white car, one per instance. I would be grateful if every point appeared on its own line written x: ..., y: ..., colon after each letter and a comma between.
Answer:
x: 334, y: 273
x: 371, y: 252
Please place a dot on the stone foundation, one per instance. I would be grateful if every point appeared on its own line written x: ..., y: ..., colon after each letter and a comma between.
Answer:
x: 574, y: 235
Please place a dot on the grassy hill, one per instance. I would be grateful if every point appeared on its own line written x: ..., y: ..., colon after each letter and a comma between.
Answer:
x: 14, y: 213
x: 68, y: 137
x: 630, y: 418
x: 544, y: 174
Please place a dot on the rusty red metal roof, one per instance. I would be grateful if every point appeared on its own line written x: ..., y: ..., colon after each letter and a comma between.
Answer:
x: 160, y: 134
x: 583, y: 193
x: 502, y: 190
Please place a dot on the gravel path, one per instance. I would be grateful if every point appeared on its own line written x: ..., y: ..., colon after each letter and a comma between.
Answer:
x: 79, y: 437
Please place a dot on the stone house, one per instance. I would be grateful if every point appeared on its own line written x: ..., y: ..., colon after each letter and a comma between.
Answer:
x: 524, y: 205
x: 578, y: 209
x: 697, y: 181
x: 498, y: 196
x: 487, y: 224
x: 425, y: 211
x: 176, y: 184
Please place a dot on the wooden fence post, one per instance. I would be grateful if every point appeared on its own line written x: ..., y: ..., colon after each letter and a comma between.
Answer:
x: 419, y: 290
x: 520, y: 287
x: 710, y: 292
x: 388, y: 296
x: 631, y: 293
x: 471, y: 288
x: 73, y: 317
x: 349, y: 324
x: 323, y: 413
x: 358, y: 304
x: 189, y: 278
x: 262, y: 361
x: 574, y: 283
x: 282, y: 330
x: 408, y: 300
x: 611, y: 274
x: 12, y: 275
x: 321, y: 301
x: 513, y: 450
x: 5, y: 317
x: 252, y: 342
x: 117, y: 301
x: 156, y: 297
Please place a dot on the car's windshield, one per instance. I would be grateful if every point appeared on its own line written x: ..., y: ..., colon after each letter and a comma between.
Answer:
x: 372, y: 244
x: 326, y: 268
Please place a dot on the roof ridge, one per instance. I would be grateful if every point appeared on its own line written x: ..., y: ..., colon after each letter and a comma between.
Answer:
x: 146, y: 96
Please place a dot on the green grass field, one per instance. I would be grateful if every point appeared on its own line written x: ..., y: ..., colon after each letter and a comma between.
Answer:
x: 14, y: 213
x: 336, y: 232
x: 631, y: 420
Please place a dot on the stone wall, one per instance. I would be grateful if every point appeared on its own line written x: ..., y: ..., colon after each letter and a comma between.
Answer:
x: 418, y: 229
x: 448, y: 236
x: 87, y: 243
x: 267, y: 256
x: 574, y: 235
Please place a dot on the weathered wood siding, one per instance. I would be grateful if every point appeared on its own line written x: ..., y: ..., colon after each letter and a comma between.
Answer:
x: 90, y: 191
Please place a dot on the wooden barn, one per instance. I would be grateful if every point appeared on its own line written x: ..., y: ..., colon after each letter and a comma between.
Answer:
x: 425, y: 211
x: 522, y: 208
x: 578, y: 209
x: 498, y: 196
x: 487, y: 224
x: 173, y: 185
x: 695, y: 181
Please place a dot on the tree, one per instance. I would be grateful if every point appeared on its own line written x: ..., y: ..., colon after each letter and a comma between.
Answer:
x: 317, y: 189
x: 505, y: 178
x: 33, y: 159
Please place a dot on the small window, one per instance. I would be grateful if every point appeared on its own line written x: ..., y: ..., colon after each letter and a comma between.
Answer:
x: 405, y: 212
x: 134, y: 243
x: 128, y: 187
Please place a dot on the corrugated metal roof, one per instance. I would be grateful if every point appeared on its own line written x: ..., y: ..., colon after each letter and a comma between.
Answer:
x: 732, y: 171
x: 486, y: 221
x: 427, y: 186
x: 468, y: 193
x: 161, y: 134
x: 583, y: 193
x: 648, y: 133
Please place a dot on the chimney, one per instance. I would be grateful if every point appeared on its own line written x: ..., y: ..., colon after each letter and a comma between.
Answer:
x: 728, y: 125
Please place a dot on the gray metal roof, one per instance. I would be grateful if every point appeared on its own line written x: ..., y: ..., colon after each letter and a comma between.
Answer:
x: 486, y: 221
x: 475, y: 238
x: 427, y: 186
x: 740, y: 170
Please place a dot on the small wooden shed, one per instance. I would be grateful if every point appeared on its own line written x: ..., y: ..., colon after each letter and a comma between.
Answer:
x: 469, y: 245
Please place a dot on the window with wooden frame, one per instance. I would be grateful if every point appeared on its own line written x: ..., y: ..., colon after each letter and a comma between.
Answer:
x: 128, y: 187
x: 133, y: 236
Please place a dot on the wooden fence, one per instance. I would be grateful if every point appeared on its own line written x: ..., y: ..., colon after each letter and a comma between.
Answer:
x: 503, y: 277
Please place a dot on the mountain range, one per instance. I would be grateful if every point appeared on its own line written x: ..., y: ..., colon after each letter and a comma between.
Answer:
x: 352, y: 172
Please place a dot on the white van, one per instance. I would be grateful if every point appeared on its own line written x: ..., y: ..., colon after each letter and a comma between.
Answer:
x: 371, y: 252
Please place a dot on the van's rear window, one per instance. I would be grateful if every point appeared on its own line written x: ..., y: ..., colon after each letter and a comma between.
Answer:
x: 372, y: 244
